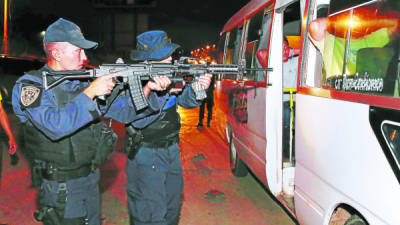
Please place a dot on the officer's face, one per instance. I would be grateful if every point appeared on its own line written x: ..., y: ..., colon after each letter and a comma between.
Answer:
x: 166, y: 60
x: 72, y: 57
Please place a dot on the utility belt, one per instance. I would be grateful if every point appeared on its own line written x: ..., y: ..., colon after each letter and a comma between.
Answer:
x: 161, y: 143
x: 64, y: 175
x: 135, y: 139
x: 51, y: 172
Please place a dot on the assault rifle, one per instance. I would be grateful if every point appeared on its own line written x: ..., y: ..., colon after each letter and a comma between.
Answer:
x: 134, y: 74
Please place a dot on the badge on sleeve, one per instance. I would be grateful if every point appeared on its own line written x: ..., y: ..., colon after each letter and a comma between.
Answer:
x: 30, y: 96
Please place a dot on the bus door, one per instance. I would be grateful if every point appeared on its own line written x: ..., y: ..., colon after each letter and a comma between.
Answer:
x: 287, y: 14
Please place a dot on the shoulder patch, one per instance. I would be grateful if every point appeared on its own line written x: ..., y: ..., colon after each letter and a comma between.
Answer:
x: 30, y: 96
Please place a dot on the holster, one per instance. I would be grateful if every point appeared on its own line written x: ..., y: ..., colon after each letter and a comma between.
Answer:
x: 37, y: 175
x: 134, y: 139
x: 47, y: 215
x: 105, y: 147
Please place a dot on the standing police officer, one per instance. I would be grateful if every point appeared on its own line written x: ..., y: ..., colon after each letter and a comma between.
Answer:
x: 154, y: 170
x: 63, y: 131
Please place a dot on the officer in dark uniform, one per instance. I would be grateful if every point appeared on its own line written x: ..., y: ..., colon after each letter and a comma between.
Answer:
x: 209, y: 103
x: 154, y: 170
x: 63, y: 131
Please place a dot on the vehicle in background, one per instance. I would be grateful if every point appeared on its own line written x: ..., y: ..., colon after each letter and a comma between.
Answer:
x: 328, y: 148
x: 11, y: 68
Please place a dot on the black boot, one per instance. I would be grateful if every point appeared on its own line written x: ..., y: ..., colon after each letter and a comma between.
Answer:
x: 208, y: 123
x: 200, y: 124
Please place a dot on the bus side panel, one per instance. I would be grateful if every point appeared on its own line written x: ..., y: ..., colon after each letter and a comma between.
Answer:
x: 221, y: 106
x: 340, y: 161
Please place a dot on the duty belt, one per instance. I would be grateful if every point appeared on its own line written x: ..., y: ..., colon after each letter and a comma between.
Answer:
x: 53, y: 173
x: 160, y: 143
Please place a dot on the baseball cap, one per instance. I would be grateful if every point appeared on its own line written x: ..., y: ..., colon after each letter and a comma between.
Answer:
x: 66, y: 31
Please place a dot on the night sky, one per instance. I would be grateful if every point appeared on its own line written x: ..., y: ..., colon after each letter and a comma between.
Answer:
x: 191, y: 24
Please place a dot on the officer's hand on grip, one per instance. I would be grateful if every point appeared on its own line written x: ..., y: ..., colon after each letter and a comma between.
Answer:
x: 159, y: 83
x: 205, y: 80
x: 101, y: 86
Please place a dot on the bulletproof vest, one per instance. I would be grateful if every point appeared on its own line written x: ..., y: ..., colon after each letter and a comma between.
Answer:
x: 166, y: 126
x: 68, y: 152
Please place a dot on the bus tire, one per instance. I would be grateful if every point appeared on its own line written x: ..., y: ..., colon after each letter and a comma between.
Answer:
x: 237, y: 166
x: 355, y: 220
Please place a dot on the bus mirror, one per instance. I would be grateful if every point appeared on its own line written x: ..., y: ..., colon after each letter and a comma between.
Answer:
x: 262, y: 56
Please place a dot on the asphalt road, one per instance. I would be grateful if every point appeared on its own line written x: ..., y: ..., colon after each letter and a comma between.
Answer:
x: 212, y: 196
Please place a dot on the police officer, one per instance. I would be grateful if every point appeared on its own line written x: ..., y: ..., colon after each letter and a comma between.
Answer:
x: 63, y: 131
x: 209, y: 101
x: 154, y: 170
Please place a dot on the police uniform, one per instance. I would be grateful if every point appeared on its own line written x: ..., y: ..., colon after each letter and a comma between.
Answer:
x: 61, y: 128
x: 209, y: 101
x: 68, y: 141
x: 154, y: 171
x: 155, y: 180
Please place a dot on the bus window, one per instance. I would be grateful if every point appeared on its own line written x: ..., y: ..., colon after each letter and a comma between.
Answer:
x: 233, y: 49
x: 362, y: 50
x: 234, y: 44
x: 392, y: 136
x: 311, y: 71
x: 258, y: 34
x: 253, y: 38
x: 220, y: 49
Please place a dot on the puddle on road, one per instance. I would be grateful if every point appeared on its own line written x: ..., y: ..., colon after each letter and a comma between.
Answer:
x: 215, y: 196
x: 199, y: 162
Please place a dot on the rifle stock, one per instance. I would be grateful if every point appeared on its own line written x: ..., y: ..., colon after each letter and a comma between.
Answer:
x: 134, y: 74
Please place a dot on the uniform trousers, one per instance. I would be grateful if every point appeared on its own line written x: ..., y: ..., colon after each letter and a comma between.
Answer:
x: 154, y: 186
x: 209, y: 101
x: 82, y: 200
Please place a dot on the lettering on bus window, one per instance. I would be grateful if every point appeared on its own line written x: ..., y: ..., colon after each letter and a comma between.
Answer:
x: 361, y: 49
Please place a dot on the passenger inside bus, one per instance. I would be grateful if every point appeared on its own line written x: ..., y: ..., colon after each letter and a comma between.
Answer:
x: 290, y: 58
x: 290, y: 65
x: 369, y: 55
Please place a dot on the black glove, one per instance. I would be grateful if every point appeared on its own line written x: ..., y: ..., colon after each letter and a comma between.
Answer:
x: 14, y: 159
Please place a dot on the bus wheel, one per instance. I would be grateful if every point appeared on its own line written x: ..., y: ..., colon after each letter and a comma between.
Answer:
x: 355, y: 220
x: 238, y: 168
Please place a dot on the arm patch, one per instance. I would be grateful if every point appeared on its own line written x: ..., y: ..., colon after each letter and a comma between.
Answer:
x: 30, y: 96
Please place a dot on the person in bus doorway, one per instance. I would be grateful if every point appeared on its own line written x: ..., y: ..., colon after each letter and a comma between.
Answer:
x: 209, y: 103
x: 5, y: 124
x: 155, y: 181
x: 63, y: 130
x: 331, y: 43
x: 290, y: 66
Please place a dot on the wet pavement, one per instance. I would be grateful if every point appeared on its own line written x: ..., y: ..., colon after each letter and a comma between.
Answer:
x: 212, y: 195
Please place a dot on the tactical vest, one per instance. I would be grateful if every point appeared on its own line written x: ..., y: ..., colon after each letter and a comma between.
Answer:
x: 166, y: 126
x: 69, y: 152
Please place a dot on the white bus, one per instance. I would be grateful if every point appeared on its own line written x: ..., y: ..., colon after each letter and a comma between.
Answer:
x: 321, y: 131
